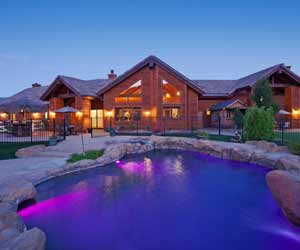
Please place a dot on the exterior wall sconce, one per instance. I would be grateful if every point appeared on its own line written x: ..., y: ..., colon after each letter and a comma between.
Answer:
x: 296, y: 112
x: 208, y: 112
x: 79, y: 114
x: 36, y: 115
x: 3, y: 115
x: 178, y: 93
x: 168, y: 95
x: 52, y: 115
x: 147, y: 113
x: 109, y: 114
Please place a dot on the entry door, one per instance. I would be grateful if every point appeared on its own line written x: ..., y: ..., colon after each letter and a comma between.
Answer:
x: 97, y: 118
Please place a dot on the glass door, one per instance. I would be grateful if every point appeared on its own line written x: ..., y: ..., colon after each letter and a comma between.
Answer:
x: 97, y: 118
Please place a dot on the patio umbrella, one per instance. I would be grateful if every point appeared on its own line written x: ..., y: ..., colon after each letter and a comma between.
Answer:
x: 66, y: 109
x: 283, y: 112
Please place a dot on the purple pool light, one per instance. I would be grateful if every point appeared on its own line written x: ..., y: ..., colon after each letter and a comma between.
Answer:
x: 162, y: 200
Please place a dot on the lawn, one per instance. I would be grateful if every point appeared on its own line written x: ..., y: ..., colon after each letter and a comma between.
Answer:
x: 8, y: 150
x: 88, y: 155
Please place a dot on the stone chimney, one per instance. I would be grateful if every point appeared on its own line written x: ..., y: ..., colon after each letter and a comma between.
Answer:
x: 112, y: 75
x: 36, y: 85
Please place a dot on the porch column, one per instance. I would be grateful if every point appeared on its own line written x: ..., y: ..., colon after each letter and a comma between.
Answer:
x: 84, y: 105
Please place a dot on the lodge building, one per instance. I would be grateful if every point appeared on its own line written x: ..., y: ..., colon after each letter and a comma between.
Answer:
x: 158, y: 94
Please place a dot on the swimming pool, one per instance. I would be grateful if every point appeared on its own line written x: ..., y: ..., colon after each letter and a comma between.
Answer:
x: 165, y: 199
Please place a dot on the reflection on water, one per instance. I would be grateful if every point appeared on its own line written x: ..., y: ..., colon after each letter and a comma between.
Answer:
x: 162, y: 200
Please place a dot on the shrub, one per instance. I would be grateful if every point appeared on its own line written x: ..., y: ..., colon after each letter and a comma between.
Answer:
x: 259, y: 124
x: 203, y: 134
x: 294, y: 147
x: 88, y: 155
x: 238, y: 118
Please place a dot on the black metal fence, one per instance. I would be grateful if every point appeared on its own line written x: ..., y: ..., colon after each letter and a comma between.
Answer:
x: 287, y: 131
x: 31, y: 131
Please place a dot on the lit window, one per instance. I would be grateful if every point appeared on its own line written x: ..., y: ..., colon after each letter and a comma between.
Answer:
x: 131, y: 94
x: 170, y: 93
x: 171, y: 113
x: 128, y: 114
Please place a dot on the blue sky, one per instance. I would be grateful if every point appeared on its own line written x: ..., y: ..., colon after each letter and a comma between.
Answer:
x: 202, y: 39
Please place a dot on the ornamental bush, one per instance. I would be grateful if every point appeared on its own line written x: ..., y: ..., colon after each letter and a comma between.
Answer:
x: 259, y: 124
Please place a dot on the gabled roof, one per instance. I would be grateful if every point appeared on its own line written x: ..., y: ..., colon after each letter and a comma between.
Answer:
x: 227, y: 87
x: 215, y: 87
x: 27, y: 97
x: 150, y: 61
x: 226, y: 104
x: 78, y: 86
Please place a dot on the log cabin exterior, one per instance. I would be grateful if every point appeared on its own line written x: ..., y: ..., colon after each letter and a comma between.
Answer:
x: 158, y: 94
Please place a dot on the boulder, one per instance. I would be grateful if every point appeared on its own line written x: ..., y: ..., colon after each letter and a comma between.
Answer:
x: 289, y: 163
x: 80, y: 164
x: 30, y: 151
x: 33, y: 239
x: 10, y: 219
x: 116, y: 151
x: 285, y: 188
x: 17, y: 192
x: 268, y: 146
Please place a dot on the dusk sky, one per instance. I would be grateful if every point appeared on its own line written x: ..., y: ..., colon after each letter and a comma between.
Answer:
x: 202, y: 39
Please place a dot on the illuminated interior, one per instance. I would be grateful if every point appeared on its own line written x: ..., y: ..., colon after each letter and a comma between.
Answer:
x: 97, y: 118
x: 127, y: 114
x: 132, y: 94
x: 170, y: 93
x: 171, y: 113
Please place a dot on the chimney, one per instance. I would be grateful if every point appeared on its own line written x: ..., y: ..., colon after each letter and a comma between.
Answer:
x: 289, y: 67
x: 112, y: 75
x: 36, y: 85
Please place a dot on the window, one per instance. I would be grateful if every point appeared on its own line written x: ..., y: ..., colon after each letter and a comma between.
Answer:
x: 171, y: 113
x: 127, y: 114
x: 278, y: 91
x: 228, y: 113
x: 170, y: 93
x: 131, y: 94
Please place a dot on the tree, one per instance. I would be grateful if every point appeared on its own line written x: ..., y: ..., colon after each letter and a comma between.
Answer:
x: 263, y: 94
x: 238, y: 118
x: 259, y: 123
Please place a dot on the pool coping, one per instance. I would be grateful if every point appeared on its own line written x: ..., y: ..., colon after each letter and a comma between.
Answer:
x: 261, y: 153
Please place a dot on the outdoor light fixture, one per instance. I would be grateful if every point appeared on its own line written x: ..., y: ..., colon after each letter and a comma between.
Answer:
x: 109, y: 113
x: 52, y: 114
x: 118, y: 161
x: 208, y: 112
x: 35, y: 115
x: 3, y: 115
x: 147, y: 113
x: 79, y: 114
x: 296, y: 112
x: 168, y: 95
x: 178, y: 93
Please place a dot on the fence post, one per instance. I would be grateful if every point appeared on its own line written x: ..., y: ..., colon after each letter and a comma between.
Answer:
x: 31, y: 130
x: 219, y: 117
x: 64, y: 128
x: 282, y: 130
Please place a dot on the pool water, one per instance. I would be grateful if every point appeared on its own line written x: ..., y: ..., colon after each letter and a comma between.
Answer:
x: 162, y: 200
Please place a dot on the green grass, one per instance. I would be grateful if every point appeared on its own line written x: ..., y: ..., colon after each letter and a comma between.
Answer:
x: 8, y: 150
x: 88, y: 155
x: 220, y: 137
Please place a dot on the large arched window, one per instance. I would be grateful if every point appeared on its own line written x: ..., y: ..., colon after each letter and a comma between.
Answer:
x: 170, y: 93
x: 132, y: 94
